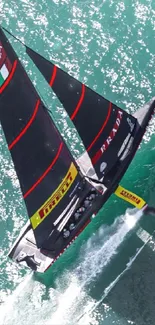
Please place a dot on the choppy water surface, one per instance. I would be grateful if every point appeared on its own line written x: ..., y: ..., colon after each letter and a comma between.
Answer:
x: 107, y: 276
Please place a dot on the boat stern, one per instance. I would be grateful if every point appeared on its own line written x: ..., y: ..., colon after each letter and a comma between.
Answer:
x: 25, y: 251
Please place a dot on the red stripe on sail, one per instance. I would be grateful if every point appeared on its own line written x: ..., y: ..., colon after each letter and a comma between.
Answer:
x: 7, y: 81
x: 26, y: 127
x: 102, y: 128
x: 46, y: 171
x: 96, y: 157
x: 54, y: 72
x: 79, y: 103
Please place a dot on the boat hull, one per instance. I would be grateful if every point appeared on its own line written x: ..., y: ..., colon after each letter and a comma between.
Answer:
x: 40, y: 259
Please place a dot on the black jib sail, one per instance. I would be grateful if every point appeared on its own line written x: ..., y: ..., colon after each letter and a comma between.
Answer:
x: 45, y: 168
x: 104, y: 128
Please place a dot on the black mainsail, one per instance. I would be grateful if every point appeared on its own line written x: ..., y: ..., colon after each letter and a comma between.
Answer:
x: 102, y: 126
x: 45, y: 168
x: 59, y: 198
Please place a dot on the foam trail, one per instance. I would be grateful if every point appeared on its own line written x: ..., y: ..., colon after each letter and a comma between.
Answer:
x: 32, y: 304
x: 86, y: 318
x: 68, y: 302
x: 98, y: 257
x: 95, y: 257
x: 8, y: 305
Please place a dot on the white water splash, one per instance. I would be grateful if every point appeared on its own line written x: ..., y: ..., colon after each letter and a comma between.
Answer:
x: 97, y: 254
x: 88, y: 316
x: 70, y: 300
x: 8, y: 307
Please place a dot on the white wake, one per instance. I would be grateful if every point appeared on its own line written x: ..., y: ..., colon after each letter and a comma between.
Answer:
x: 71, y: 300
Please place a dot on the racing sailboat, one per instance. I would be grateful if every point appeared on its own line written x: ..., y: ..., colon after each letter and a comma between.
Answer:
x: 62, y: 193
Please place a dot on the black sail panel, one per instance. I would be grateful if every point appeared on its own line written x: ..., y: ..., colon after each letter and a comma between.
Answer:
x: 45, y: 168
x: 103, y: 127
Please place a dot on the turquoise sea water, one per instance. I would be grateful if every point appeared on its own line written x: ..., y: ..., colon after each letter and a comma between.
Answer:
x: 109, y: 45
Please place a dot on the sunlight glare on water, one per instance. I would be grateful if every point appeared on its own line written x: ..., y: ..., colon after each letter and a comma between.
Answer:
x: 109, y: 45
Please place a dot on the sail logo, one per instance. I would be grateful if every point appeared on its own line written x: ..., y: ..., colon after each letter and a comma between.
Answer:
x: 113, y: 131
x: 55, y: 198
x: 110, y: 137
x: 5, y: 65
x: 130, y: 196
